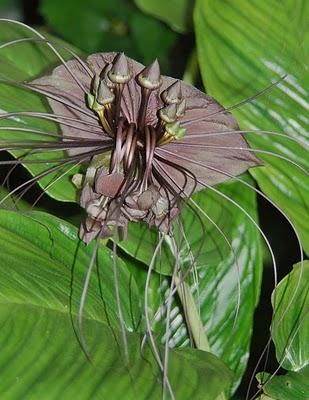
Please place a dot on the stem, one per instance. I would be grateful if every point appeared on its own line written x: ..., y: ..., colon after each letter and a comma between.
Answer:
x: 193, y: 319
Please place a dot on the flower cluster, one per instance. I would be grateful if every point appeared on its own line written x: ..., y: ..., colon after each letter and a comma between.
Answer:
x: 132, y: 114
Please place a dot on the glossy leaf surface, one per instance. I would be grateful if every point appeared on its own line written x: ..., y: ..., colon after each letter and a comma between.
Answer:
x: 42, y: 268
x: 243, y: 48
x: 219, y: 279
x: 25, y: 61
x: 293, y: 385
x: 291, y: 321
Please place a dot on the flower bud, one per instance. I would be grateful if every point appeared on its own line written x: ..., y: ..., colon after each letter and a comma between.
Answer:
x: 150, y: 77
x: 172, y: 94
x: 168, y: 113
x: 120, y: 72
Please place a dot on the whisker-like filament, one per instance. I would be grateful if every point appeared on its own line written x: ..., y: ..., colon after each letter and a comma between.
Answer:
x: 118, y: 300
x: 47, y: 41
x: 281, y: 212
x: 168, y: 317
x: 248, y: 100
x: 127, y: 114
x: 243, y: 132
x: 212, y: 188
x: 84, y: 296
x: 51, y: 47
x: 251, y: 187
x: 52, y: 117
x: 148, y: 323
x: 53, y: 182
x: 225, y: 238
x: 250, y: 150
x: 34, y: 88
x: 42, y: 174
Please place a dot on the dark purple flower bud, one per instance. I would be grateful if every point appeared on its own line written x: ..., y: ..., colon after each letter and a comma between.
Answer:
x: 120, y: 71
x: 169, y: 113
x: 172, y: 94
x: 104, y: 94
x: 150, y: 77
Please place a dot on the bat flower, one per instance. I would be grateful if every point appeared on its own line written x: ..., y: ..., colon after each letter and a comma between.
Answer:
x: 144, y: 135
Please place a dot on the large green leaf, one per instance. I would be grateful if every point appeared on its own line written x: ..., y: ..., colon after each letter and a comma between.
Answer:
x: 243, y: 47
x: 217, y: 274
x: 110, y: 26
x: 176, y: 13
x: 290, y: 330
x: 42, y: 268
x: 290, y: 334
x: 25, y: 61
x: 292, y: 386
x: 32, y: 240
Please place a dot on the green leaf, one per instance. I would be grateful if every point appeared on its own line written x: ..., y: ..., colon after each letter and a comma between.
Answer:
x: 176, y: 13
x: 293, y: 385
x: 37, y: 239
x: 110, y: 26
x: 217, y: 274
x: 42, y: 268
x: 26, y: 61
x: 290, y: 330
x: 152, y: 39
x: 243, y: 47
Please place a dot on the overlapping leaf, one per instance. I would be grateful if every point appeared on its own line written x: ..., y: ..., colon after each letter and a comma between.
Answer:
x: 220, y: 277
x: 243, y: 47
x: 42, y: 268
x: 110, y: 26
x: 176, y: 13
x: 25, y: 61
x: 290, y: 333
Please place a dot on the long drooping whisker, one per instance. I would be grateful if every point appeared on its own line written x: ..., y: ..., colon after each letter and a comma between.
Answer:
x: 50, y: 46
x: 84, y: 296
x: 168, y: 316
x: 195, y: 279
x: 204, y: 184
x: 28, y: 130
x: 85, y: 156
x: 53, y: 182
x: 117, y: 292
x: 38, y: 40
x: 243, y: 132
x: 48, y: 95
x: 53, y: 117
x: 274, y: 205
x: 255, y: 190
x: 225, y: 238
x: 245, y: 149
x: 61, y: 145
x: 245, y: 101
x: 148, y: 323
x: 43, y: 174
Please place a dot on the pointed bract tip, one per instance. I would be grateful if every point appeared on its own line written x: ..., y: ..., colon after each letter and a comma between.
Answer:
x: 105, y: 77
x: 95, y: 84
x: 104, y: 95
x: 172, y: 94
x: 181, y: 108
x: 150, y: 77
x: 120, y: 71
x: 168, y: 113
